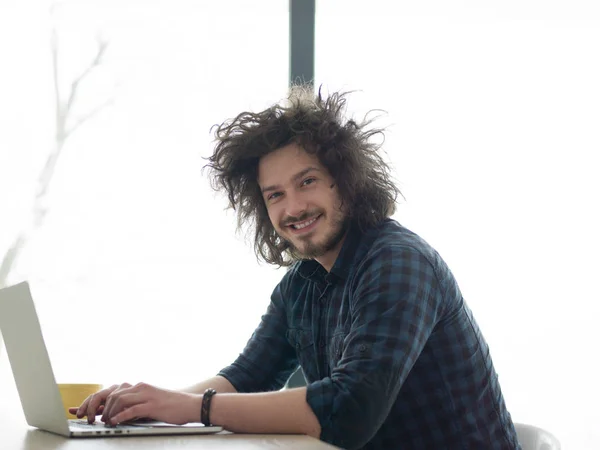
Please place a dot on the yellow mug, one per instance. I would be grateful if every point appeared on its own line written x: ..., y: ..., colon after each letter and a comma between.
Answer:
x: 74, y: 394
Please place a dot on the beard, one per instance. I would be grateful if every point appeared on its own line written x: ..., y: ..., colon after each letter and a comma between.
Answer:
x: 312, y: 249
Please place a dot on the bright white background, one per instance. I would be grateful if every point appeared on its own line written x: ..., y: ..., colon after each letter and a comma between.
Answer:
x: 493, y: 132
x: 137, y: 273
x: 493, y: 113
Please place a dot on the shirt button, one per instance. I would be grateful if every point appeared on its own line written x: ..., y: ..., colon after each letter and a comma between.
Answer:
x: 362, y: 348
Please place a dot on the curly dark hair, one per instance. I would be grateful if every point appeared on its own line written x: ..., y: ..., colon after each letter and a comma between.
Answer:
x: 344, y: 147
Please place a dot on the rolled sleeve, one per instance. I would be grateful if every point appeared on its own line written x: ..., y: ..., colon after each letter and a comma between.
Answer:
x: 268, y: 359
x: 396, y: 303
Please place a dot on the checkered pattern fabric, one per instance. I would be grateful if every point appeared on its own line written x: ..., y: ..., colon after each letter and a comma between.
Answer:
x: 392, y: 354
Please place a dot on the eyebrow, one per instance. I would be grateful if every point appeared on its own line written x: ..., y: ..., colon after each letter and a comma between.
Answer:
x: 299, y: 175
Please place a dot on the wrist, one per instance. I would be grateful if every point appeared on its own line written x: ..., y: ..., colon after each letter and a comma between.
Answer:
x: 194, y: 405
x: 218, y: 414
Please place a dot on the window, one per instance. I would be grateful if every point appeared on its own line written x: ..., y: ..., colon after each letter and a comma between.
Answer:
x: 136, y: 271
x: 493, y: 117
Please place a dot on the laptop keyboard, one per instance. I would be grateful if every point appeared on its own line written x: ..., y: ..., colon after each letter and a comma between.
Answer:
x: 84, y: 425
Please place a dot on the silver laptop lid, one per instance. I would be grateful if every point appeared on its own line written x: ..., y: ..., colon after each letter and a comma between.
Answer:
x: 29, y: 360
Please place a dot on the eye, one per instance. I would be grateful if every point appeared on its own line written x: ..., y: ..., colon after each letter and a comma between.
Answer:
x: 308, y: 181
x: 273, y: 196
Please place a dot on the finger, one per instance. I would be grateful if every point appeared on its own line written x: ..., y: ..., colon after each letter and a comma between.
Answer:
x: 74, y: 409
x: 122, y: 402
x: 114, y: 396
x: 92, y: 404
x: 95, y: 401
x: 83, y: 407
x: 139, y: 410
x: 143, y: 419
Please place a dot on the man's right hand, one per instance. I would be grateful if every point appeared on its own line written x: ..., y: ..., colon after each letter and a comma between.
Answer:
x: 94, y: 404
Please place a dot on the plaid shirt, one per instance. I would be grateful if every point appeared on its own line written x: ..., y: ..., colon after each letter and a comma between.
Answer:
x: 391, y: 353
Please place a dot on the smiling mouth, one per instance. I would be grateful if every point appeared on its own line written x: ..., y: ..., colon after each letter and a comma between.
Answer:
x: 304, y: 226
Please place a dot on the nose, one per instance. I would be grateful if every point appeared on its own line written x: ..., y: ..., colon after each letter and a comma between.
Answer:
x: 295, y: 204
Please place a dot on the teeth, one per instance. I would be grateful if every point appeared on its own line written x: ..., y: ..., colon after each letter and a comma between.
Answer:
x: 299, y: 226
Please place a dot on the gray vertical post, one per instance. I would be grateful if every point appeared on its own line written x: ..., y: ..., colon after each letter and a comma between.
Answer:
x: 302, y: 41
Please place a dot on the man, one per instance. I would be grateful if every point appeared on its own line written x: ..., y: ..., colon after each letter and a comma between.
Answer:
x: 392, y: 354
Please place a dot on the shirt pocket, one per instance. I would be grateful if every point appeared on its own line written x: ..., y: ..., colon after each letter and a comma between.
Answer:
x: 303, y: 342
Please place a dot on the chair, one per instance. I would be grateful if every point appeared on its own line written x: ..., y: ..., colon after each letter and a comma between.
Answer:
x: 534, y: 438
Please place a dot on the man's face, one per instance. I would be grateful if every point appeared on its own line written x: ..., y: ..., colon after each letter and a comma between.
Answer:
x: 302, y: 201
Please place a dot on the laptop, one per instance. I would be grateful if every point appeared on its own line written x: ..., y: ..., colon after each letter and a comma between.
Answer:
x: 35, y: 380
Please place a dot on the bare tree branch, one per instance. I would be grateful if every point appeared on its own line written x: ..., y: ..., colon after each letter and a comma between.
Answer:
x: 10, y: 257
x: 47, y: 172
x: 102, y: 46
x: 63, y: 110
x: 57, y: 106
x: 62, y: 114
x: 88, y: 116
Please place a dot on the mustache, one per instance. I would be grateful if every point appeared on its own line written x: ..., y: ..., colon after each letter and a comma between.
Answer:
x: 301, y: 218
